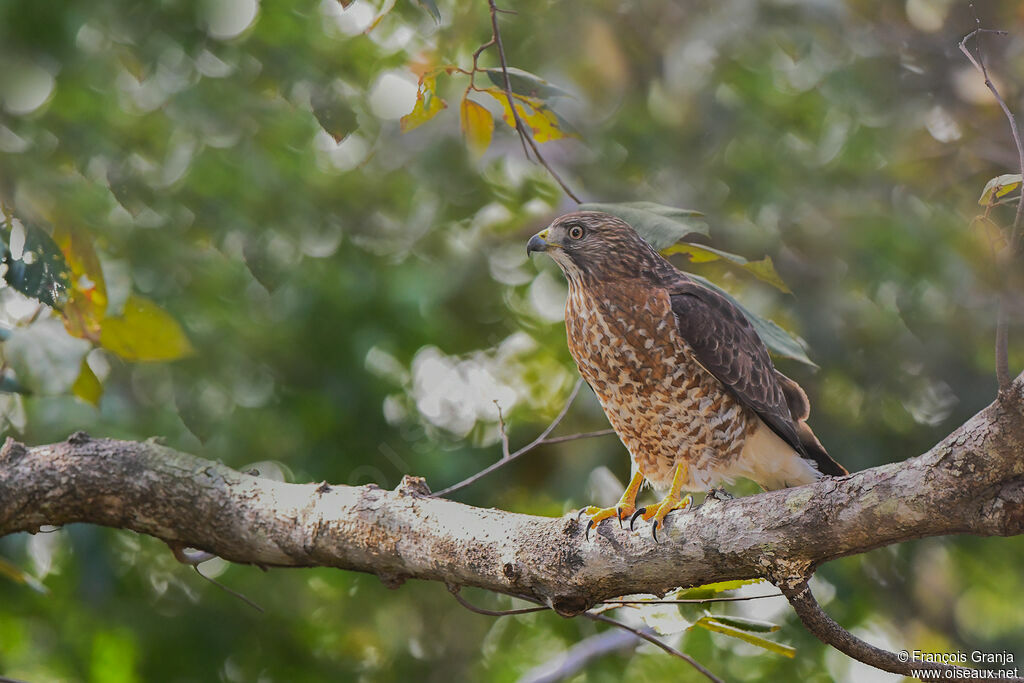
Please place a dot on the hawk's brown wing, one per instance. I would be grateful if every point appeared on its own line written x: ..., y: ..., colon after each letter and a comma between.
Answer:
x: 726, y: 345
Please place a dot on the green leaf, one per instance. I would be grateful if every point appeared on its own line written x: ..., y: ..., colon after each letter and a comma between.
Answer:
x: 662, y: 226
x: 87, y: 387
x: 202, y: 412
x: 999, y: 187
x: 698, y: 253
x: 525, y: 83
x: 777, y: 340
x: 262, y: 261
x: 431, y: 7
x: 39, y: 270
x: 715, y: 624
x: 334, y: 113
x: 144, y: 332
x: 45, y: 358
x: 129, y: 187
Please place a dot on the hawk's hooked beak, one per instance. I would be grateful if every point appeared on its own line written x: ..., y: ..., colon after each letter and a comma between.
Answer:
x: 538, y: 242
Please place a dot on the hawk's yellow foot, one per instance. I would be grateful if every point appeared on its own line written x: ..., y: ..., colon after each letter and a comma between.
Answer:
x: 624, y: 508
x: 673, y: 501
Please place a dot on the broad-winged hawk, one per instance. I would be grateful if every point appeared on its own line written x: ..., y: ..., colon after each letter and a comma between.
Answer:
x: 681, y: 373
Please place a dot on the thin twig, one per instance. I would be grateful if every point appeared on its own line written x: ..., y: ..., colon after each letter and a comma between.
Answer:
x: 522, y: 451
x: 565, y: 665
x: 454, y: 590
x: 521, y: 129
x: 691, y: 601
x: 1002, y: 322
x: 224, y: 588
x: 654, y: 641
x: 197, y: 557
x: 476, y: 69
x: 575, y: 437
x: 494, y: 40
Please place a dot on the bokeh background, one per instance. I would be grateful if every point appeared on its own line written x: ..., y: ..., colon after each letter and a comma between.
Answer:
x: 358, y: 300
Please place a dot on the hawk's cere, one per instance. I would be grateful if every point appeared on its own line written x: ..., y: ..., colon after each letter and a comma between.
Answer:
x: 680, y: 372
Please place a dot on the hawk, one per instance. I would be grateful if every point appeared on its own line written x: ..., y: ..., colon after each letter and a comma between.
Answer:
x: 682, y: 375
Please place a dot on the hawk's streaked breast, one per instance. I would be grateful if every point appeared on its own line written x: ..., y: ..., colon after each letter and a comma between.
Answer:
x: 662, y: 403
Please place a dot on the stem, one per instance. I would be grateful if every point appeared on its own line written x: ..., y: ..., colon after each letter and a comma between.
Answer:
x: 654, y: 641
x: 524, y: 135
x: 1002, y: 318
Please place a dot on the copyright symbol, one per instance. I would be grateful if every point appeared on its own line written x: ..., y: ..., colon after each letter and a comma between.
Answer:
x: 903, y: 656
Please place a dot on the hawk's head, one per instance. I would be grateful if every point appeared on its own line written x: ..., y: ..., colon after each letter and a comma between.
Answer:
x: 590, y: 246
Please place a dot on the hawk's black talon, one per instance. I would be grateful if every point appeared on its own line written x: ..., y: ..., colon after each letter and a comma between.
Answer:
x: 580, y: 513
x: 590, y: 525
x: 618, y: 515
x: 632, y: 520
x: 654, y: 531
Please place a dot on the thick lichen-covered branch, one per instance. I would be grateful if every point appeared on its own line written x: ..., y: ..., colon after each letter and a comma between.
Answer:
x: 971, y: 482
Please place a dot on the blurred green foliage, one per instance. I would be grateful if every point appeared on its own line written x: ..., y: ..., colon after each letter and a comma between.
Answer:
x: 355, y: 299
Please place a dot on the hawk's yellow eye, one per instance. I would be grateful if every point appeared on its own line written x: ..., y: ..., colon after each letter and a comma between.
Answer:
x: 576, y: 232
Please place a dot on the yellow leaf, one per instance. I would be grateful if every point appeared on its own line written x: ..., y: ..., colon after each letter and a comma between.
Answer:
x: 999, y: 187
x: 765, y: 271
x: 144, y: 332
x: 428, y: 104
x: 698, y: 253
x: 695, y: 252
x: 87, y: 293
x: 477, y: 126
x: 543, y: 122
x: 87, y: 387
x: 711, y: 589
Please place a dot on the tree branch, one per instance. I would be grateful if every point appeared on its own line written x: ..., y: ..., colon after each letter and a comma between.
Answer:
x: 825, y: 628
x: 971, y: 482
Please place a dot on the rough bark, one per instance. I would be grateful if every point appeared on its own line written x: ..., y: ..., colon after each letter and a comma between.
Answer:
x: 971, y: 482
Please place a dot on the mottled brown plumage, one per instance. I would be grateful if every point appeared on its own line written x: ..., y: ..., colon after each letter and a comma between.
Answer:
x: 682, y: 375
